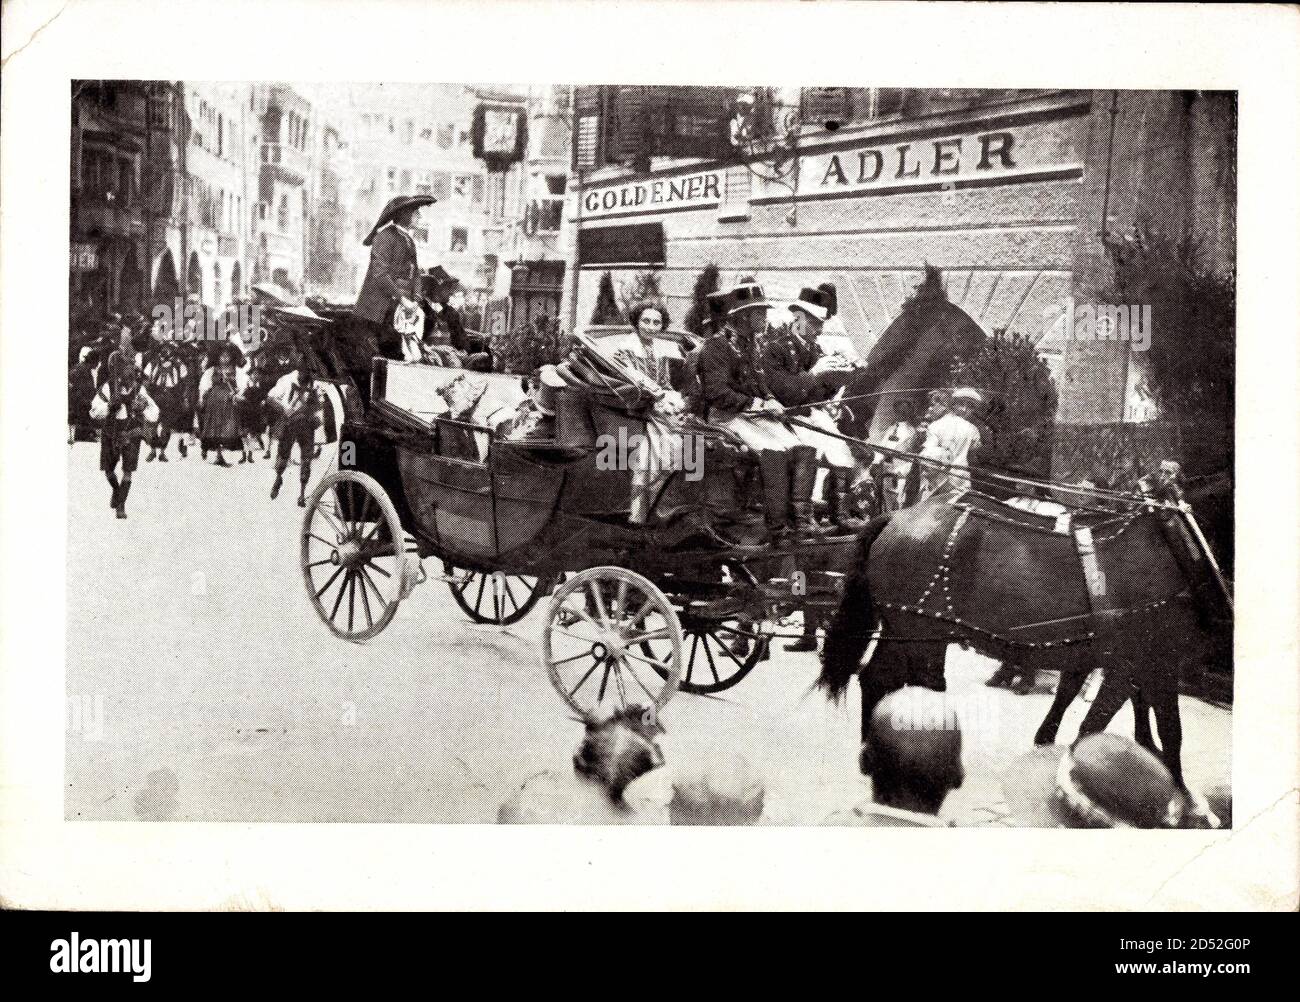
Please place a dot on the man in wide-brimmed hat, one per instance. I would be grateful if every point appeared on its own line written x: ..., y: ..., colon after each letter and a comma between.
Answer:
x: 1104, y: 781
x: 951, y: 439
x: 736, y: 395
x: 392, y: 277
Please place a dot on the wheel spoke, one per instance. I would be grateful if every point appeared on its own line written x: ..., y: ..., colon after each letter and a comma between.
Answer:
x: 637, y: 679
x: 594, y: 665
x: 505, y: 583
x: 726, y: 648
x: 708, y: 653
x: 339, y: 601
x: 652, y: 663
x: 365, y: 507
x: 365, y: 580
x: 365, y: 599
x: 641, y: 638
x: 375, y: 567
x: 317, y: 563
x: 319, y: 540
x: 352, y: 598
x: 620, y: 601
x: 328, y: 583
x: 594, y: 590
x: 565, y: 661
x: 604, y: 681
x: 695, y: 647
x: 330, y: 519
x: 572, y: 636
x: 478, y: 601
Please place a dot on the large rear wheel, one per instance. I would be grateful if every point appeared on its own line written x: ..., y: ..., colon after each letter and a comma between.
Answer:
x: 497, y: 598
x: 353, y: 555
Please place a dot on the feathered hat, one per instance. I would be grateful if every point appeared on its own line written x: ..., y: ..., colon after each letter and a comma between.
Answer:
x: 392, y: 209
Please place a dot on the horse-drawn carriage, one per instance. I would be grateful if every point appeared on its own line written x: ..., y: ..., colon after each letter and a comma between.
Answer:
x: 685, y: 599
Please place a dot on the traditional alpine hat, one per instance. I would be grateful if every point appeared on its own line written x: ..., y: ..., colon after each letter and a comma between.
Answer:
x: 729, y: 302
x: 1104, y: 781
x: 392, y: 209
x: 832, y: 298
x: 814, y: 302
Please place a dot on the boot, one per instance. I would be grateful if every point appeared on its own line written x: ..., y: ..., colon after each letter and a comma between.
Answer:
x: 775, y: 468
x: 275, y: 487
x: 302, y: 494
x: 803, y: 477
x: 182, y: 448
x: 122, y: 492
x: 840, y: 501
x: 112, y: 482
x: 153, y: 454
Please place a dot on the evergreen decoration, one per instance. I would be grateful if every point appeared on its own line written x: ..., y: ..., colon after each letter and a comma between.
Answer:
x: 531, y: 345
x: 1016, y: 421
x: 607, y: 311
x: 642, y: 289
x: 707, y: 281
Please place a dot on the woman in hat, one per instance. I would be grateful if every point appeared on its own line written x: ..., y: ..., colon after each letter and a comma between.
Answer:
x: 166, y: 377
x: 391, y: 276
x: 81, y: 391
x: 126, y: 410
x: 218, y: 423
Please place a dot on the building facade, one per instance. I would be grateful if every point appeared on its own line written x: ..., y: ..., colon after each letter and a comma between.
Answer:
x: 409, y: 139
x: 1001, y: 191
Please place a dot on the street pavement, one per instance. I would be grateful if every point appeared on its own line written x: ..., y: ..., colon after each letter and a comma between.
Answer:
x: 202, y: 687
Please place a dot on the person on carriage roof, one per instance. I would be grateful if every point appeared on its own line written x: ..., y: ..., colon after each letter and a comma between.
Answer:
x: 735, y: 394
x: 392, y: 277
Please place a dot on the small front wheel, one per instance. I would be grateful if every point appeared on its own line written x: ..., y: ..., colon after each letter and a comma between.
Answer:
x: 594, y: 644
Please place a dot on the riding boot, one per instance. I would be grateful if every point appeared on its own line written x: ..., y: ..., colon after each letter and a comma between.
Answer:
x: 840, y: 501
x: 122, y: 492
x: 775, y: 468
x: 181, y: 444
x: 112, y: 482
x: 275, y: 487
x: 302, y: 493
x: 803, y: 477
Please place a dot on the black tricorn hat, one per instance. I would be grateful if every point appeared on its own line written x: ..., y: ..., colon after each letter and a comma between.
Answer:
x: 739, y: 297
x: 394, y: 206
x: 832, y: 298
x: 814, y: 302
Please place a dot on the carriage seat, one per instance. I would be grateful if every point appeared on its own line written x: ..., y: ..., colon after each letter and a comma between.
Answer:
x: 415, y: 388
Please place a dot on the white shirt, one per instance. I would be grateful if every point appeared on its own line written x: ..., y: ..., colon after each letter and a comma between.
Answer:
x: 951, y: 439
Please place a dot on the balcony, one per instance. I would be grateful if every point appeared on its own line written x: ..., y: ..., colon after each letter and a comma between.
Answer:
x: 286, y: 163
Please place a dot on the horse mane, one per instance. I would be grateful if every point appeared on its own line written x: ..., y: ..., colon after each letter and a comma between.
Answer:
x: 851, y: 628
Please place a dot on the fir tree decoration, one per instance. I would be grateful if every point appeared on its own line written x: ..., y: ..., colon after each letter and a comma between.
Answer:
x: 606, y: 312
x: 707, y: 281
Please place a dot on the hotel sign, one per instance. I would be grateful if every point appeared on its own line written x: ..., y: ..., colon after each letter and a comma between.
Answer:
x: 702, y: 190
x: 927, y: 164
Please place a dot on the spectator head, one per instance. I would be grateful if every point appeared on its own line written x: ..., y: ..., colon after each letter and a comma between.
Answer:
x: 617, y: 749
x: 1103, y: 781
x: 913, y: 750
x: 904, y: 410
x: 725, y: 793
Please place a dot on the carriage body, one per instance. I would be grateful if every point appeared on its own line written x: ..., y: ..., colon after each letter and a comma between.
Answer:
x: 548, y: 516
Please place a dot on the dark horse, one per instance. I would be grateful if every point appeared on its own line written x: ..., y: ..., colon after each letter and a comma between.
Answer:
x: 1131, y: 593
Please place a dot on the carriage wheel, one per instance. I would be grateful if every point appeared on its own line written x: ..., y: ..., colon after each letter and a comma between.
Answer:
x: 354, y: 571
x: 499, y: 598
x: 594, y: 657
x: 710, y: 664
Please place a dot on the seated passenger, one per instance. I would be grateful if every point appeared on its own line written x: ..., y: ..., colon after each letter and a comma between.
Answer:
x: 656, y: 454
x: 735, y: 395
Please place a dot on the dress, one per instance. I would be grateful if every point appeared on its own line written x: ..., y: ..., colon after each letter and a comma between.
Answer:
x: 218, y: 423
x: 653, y: 456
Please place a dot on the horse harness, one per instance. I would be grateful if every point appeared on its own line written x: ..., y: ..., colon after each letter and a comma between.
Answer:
x: 1103, y: 613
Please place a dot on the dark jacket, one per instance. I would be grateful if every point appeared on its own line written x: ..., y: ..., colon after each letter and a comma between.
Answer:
x: 728, y: 382
x: 392, y: 274
x: 787, y: 359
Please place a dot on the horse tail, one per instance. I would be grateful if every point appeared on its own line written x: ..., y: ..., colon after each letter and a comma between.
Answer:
x: 854, y: 622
